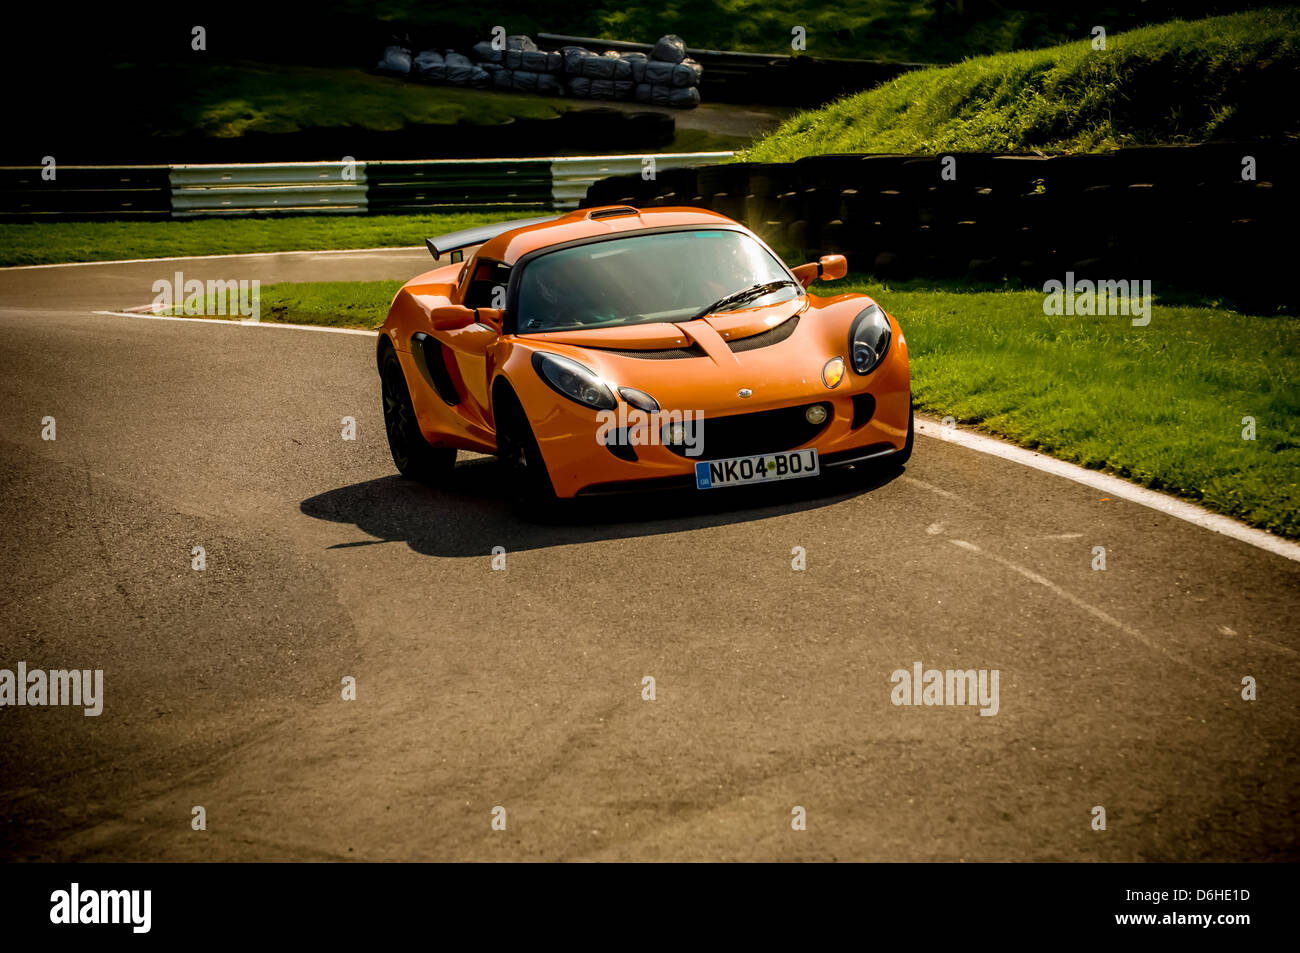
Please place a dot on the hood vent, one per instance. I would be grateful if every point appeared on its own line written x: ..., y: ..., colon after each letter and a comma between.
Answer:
x: 766, y: 338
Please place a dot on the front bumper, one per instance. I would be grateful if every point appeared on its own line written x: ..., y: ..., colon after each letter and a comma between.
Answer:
x: 580, y: 465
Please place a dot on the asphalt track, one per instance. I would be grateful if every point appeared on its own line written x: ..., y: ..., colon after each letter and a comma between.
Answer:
x: 522, y: 688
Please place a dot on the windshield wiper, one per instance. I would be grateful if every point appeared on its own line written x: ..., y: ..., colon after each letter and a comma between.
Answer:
x: 748, y: 294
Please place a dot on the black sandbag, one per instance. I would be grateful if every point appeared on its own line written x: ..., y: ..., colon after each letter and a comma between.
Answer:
x: 500, y: 77
x: 686, y: 97
x: 623, y: 88
x: 484, y: 53
x: 516, y: 47
x: 687, y: 73
x: 395, y: 60
x: 602, y: 89
x: 548, y: 84
x: 579, y: 87
x: 637, y: 62
x: 460, y: 71
x: 526, y: 80
x: 669, y: 49
x: 536, y: 61
x: 659, y: 95
x: 659, y: 74
x: 430, y: 66
x: 572, y: 57
x: 622, y: 67
x: 598, y: 67
x: 642, y: 92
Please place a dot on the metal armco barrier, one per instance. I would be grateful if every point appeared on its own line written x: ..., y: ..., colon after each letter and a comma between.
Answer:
x: 1182, y: 213
x: 89, y: 192
x: 291, y: 187
x: 297, y: 188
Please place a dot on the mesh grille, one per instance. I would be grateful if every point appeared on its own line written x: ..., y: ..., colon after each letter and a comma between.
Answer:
x: 663, y: 354
x: 766, y: 338
x: 767, y: 431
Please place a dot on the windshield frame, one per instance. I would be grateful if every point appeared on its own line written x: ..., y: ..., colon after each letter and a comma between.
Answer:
x: 510, y: 320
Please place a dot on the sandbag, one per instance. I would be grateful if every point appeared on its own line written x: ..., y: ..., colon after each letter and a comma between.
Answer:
x: 430, y: 66
x: 484, y: 53
x: 516, y: 47
x: 669, y: 49
x: 460, y: 71
x: 684, y: 97
x: 536, y: 61
x: 622, y: 67
x: 637, y: 62
x: 395, y: 60
x: 599, y: 67
x: 572, y: 57
x: 578, y: 87
x: 659, y: 74
x: 687, y: 73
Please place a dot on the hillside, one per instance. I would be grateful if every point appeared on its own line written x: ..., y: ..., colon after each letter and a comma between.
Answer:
x: 1234, y: 77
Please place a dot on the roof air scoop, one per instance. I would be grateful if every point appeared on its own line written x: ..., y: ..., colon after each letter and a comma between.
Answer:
x: 613, y: 211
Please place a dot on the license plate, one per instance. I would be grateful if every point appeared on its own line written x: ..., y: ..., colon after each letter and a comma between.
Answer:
x: 761, y: 468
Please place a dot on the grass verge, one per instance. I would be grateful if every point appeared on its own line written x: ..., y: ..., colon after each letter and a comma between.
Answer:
x: 1161, y: 405
x: 44, y: 243
x: 1231, y: 77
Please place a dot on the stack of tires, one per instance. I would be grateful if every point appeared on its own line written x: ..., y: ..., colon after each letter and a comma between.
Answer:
x: 667, y: 77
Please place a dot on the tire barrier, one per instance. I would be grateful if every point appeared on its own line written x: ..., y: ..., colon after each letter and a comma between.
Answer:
x: 1188, y: 214
x: 665, y: 76
x: 298, y: 188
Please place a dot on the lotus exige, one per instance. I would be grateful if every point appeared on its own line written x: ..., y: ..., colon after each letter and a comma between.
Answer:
x: 614, y: 349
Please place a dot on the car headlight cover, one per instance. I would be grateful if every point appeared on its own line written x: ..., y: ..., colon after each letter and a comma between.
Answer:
x: 868, y: 339
x: 578, y: 383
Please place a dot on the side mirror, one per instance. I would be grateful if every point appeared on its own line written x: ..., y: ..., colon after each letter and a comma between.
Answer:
x: 832, y: 267
x: 451, y: 318
x: 494, y: 318
x: 827, y: 268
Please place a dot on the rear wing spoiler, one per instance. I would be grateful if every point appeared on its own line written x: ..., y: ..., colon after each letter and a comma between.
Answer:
x: 457, y: 242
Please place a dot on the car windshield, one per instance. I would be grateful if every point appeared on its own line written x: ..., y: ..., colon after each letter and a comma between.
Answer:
x: 641, y: 279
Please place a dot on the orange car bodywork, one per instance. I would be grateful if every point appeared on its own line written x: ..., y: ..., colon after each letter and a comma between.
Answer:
x: 788, y: 373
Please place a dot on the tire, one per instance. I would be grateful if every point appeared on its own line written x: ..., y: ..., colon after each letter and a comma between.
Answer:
x: 412, y: 455
x: 532, y: 494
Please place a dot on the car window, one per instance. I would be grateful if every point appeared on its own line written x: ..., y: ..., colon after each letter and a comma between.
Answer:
x: 488, y: 276
x: 639, y: 279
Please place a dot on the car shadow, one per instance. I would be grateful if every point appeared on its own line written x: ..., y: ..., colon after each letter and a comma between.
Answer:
x: 471, y: 515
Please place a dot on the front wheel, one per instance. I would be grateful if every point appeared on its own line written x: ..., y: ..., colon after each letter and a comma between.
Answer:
x: 412, y: 455
x: 531, y: 491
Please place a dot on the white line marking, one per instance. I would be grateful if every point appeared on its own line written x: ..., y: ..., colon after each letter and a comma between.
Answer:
x: 251, y: 254
x: 240, y: 324
x: 1086, y: 607
x: 1113, y: 486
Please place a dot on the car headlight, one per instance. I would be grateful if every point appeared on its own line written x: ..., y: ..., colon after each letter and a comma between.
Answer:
x: 868, y: 339
x: 578, y: 383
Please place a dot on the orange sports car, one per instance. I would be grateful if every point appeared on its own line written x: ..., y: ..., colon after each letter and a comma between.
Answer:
x: 614, y: 349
